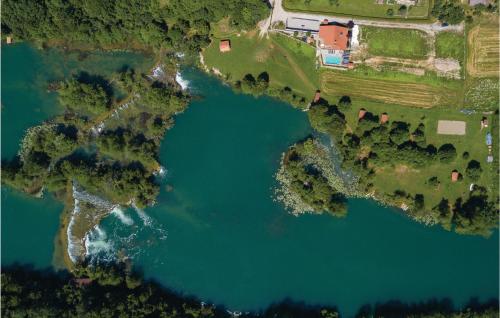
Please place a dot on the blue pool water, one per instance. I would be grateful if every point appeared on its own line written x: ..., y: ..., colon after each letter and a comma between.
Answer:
x: 332, y: 59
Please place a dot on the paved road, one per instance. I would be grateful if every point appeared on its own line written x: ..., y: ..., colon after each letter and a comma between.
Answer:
x: 278, y: 13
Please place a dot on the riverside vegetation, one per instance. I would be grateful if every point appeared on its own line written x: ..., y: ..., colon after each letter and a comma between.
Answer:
x: 116, y: 291
x: 107, y: 140
x: 370, y: 150
x: 116, y: 156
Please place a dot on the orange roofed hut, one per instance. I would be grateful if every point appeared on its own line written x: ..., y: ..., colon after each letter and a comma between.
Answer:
x: 454, y: 176
x: 362, y: 113
x: 224, y: 46
x: 317, y: 96
x: 384, y: 118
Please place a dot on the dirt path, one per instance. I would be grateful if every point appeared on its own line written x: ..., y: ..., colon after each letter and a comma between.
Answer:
x: 296, y: 68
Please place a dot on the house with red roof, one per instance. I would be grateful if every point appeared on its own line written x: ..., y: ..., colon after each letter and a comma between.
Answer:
x: 333, y: 37
x: 334, y: 45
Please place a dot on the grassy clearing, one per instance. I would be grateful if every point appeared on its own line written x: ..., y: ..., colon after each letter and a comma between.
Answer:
x: 361, y: 8
x: 450, y: 45
x: 287, y: 61
x: 483, y: 48
x: 413, y: 180
x: 393, y: 88
x: 402, y: 43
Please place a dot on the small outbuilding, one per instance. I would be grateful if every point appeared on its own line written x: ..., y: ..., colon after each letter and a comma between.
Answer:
x: 8, y: 40
x: 83, y: 281
x: 384, y: 118
x: 362, y: 113
x: 454, y: 176
x: 489, y: 139
x: 224, y: 46
x: 473, y: 3
x: 484, y: 123
x: 317, y: 96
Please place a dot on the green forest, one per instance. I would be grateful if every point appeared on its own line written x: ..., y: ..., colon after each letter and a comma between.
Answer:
x: 116, y: 291
x: 177, y: 25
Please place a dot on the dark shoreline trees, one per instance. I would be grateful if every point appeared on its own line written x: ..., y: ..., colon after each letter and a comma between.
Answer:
x: 116, y: 291
x: 178, y: 25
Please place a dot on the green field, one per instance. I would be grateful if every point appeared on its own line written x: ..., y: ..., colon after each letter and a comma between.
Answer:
x: 288, y: 62
x: 360, y: 8
x: 401, y: 43
x: 450, y: 45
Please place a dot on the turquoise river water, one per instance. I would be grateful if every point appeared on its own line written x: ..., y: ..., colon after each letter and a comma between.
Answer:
x: 216, y: 232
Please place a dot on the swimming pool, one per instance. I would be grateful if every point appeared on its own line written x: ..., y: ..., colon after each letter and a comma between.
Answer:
x: 332, y: 59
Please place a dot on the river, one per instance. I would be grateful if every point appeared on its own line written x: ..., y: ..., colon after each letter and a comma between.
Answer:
x: 216, y: 233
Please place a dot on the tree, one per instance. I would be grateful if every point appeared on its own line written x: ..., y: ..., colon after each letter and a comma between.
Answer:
x: 399, y: 133
x: 418, y: 202
x: 327, y: 119
x: 447, y: 153
x: 433, y: 181
x: 389, y: 12
x: 344, y: 103
x: 448, y: 11
x: 465, y: 155
x: 83, y: 97
x: 402, y: 10
x: 473, y: 170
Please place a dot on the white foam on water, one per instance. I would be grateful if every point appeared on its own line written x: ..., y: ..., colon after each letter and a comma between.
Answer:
x: 161, y: 172
x: 146, y: 219
x: 184, y: 83
x: 119, y: 213
x: 97, y: 245
x: 149, y: 222
x: 78, y: 248
x: 158, y: 72
x: 75, y: 246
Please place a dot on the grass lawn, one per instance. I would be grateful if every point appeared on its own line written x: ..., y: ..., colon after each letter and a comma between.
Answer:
x: 450, y: 45
x: 402, y: 43
x: 414, y: 180
x: 288, y: 62
x: 361, y: 8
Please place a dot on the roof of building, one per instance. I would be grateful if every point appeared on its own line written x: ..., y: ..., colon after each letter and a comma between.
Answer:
x: 384, y: 118
x: 225, y: 46
x: 362, y: 113
x: 334, y: 36
x: 476, y: 2
x: 302, y: 24
x: 454, y: 175
x: 489, y: 139
x: 83, y: 281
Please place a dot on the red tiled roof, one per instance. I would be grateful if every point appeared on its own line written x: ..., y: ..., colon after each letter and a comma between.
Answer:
x: 454, y: 176
x: 384, y: 118
x: 334, y: 36
x: 224, y: 46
